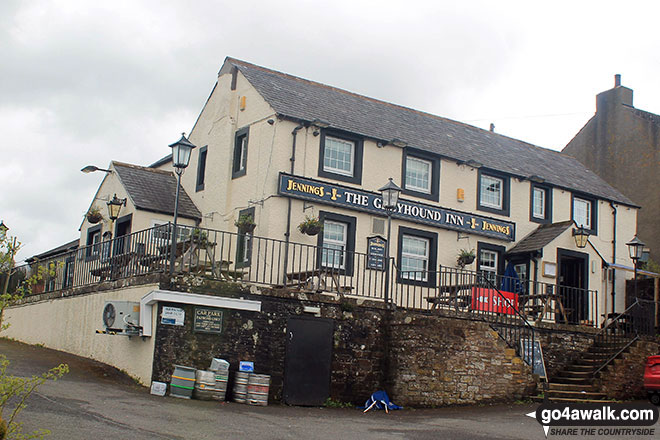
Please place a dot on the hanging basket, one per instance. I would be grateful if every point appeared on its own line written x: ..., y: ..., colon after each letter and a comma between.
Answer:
x: 94, y: 217
x: 312, y: 230
x: 466, y: 260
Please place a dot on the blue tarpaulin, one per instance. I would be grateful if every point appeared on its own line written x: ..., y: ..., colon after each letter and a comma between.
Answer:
x: 380, y: 400
x: 510, y: 280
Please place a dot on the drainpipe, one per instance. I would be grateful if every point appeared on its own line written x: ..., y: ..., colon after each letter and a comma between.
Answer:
x: 613, y: 256
x: 288, y: 209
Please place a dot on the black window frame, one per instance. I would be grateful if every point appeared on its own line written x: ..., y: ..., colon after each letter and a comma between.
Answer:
x: 594, y: 210
x: 351, y: 222
x: 435, y: 174
x: 358, y: 145
x: 201, y: 168
x: 93, y: 250
x: 122, y: 243
x: 500, y: 250
x: 548, y: 204
x: 236, y: 170
x: 433, y: 255
x: 240, y: 262
x: 506, y: 192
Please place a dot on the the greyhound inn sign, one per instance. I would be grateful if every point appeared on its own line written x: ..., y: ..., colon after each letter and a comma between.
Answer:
x: 365, y: 201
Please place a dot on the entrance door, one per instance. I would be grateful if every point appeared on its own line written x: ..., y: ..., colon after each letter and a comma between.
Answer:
x: 308, y: 361
x: 573, y: 286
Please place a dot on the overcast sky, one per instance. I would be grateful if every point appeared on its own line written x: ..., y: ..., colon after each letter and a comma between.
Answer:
x: 86, y: 82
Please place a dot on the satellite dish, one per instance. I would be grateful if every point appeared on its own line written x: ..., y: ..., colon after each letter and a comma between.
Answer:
x: 109, y: 315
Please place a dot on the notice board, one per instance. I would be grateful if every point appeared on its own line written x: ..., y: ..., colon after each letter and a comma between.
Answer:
x: 208, y: 320
x: 527, y: 347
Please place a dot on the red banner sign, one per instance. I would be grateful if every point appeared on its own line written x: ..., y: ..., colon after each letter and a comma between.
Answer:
x: 488, y: 300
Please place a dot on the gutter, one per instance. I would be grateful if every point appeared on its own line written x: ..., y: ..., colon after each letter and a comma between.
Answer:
x: 287, y: 234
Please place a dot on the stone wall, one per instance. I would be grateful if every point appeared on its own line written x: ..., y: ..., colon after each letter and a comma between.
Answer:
x: 624, y: 377
x: 562, y: 345
x: 443, y: 361
x: 358, y: 345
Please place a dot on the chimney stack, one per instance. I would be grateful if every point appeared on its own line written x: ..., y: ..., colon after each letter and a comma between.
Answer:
x: 492, y: 127
x: 617, y: 80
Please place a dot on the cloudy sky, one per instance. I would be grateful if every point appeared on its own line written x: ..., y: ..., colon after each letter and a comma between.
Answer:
x: 86, y: 82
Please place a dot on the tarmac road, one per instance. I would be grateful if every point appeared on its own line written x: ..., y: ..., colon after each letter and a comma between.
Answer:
x: 95, y: 401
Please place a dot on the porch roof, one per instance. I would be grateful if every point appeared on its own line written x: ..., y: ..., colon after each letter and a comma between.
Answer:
x: 540, y: 238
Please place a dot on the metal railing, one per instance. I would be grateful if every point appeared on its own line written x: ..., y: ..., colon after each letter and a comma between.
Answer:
x: 622, y: 330
x: 469, y: 295
x: 234, y: 256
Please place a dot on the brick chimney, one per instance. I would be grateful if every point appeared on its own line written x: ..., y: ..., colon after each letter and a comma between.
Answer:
x: 618, y: 95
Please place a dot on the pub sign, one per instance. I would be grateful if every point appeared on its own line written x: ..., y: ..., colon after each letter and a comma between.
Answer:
x: 337, y: 195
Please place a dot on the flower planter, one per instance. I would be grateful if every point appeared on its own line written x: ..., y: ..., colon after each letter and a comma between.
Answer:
x: 312, y: 230
x: 94, y: 218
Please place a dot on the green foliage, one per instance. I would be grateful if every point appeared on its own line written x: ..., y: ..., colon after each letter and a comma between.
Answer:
x: 245, y: 223
x: 311, y: 225
x: 199, y: 236
x: 652, y: 266
x: 330, y: 403
x: 14, y: 391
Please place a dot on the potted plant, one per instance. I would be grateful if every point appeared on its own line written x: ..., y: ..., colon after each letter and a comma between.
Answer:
x: 245, y: 223
x: 94, y: 215
x: 465, y: 257
x: 199, y: 236
x: 311, y: 226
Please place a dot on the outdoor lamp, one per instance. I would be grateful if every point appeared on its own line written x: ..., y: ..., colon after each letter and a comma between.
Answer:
x: 635, y: 248
x: 91, y: 168
x: 390, y: 195
x: 114, y: 206
x: 581, y: 237
x: 181, y: 151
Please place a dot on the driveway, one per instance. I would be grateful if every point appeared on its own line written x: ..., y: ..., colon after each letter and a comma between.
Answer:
x: 95, y: 401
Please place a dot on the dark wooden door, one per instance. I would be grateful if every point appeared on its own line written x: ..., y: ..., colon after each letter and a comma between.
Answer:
x: 573, y: 281
x: 308, y: 360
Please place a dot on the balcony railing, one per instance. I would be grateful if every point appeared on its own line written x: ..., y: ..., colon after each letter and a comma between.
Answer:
x: 247, y: 258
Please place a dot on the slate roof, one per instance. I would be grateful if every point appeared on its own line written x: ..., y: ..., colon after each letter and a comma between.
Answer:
x: 540, y: 237
x: 155, y: 190
x: 62, y: 249
x: 306, y: 100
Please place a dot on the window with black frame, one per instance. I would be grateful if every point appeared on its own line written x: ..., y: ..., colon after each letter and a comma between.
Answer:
x: 340, y: 156
x: 239, y: 166
x: 244, y: 241
x: 336, y: 242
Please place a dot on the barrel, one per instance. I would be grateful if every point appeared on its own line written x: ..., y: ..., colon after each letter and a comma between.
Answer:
x: 220, y: 385
x: 240, y: 386
x: 258, y: 385
x: 204, y: 385
x: 183, y: 382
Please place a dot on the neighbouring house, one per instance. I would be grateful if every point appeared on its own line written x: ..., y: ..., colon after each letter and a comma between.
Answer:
x: 621, y: 144
x: 493, y: 242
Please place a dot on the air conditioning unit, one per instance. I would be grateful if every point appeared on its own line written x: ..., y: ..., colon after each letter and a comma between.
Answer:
x: 122, y: 317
